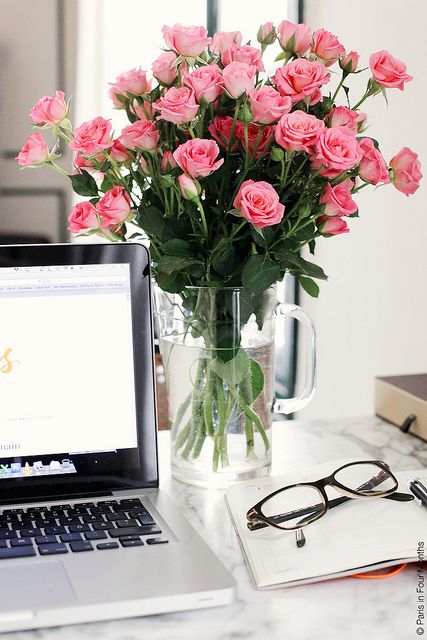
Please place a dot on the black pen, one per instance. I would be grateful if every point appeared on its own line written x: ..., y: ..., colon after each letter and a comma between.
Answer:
x: 419, y: 490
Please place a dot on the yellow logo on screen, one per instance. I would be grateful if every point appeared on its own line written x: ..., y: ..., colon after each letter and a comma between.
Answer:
x: 6, y: 362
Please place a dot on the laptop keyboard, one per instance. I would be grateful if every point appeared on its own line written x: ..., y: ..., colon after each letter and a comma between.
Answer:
x: 84, y: 526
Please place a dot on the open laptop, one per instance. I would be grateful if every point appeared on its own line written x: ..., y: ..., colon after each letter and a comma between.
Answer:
x: 85, y: 534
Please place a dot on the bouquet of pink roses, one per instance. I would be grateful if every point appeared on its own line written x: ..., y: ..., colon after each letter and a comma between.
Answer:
x: 229, y: 173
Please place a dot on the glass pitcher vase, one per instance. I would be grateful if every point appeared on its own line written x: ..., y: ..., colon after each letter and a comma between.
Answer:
x: 217, y: 347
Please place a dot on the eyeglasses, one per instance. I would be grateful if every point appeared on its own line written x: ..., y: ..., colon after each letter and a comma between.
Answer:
x: 300, y: 504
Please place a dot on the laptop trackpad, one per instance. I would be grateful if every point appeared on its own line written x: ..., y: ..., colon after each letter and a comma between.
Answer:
x: 34, y: 586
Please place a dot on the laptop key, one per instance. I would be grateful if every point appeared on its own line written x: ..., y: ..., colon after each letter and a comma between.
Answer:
x: 54, y: 530
x: 45, y: 539
x: 32, y: 533
x: 52, y: 549
x: 137, y: 531
x: 3, y: 544
x: 94, y: 518
x: 12, y: 511
x: 102, y: 526
x: 20, y: 542
x: 17, y: 552
x: 71, y: 537
x: 131, y: 543
x: 84, y: 545
x: 95, y: 535
x: 126, y: 523
x: 7, y: 534
x: 129, y: 538
x: 144, y: 518
x: 131, y: 501
x: 157, y: 541
x: 107, y: 503
x: 107, y: 545
x: 78, y: 528
x: 64, y: 520
x: 85, y: 505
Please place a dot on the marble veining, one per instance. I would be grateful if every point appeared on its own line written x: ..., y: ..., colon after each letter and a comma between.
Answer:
x: 350, y: 608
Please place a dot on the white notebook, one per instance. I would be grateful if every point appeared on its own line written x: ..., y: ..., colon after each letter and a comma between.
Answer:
x: 358, y: 536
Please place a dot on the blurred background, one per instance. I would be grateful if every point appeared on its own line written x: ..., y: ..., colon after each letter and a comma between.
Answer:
x: 372, y: 312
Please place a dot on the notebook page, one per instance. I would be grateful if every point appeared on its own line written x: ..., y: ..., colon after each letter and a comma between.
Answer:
x: 355, y: 534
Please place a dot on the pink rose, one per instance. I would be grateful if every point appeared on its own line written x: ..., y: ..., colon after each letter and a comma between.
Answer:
x: 205, y: 81
x: 197, y: 157
x: 332, y: 226
x: 49, y: 109
x: 133, y: 82
x: 168, y: 162
x: 83, y: 218
x: 342, y: 117
x: 301, y: 79
x: 266, y: 33
x: 34, y: 152
x: 298, y: 131
x: 268, y: 105
x: 220, y: 129
x: 114, y: 208
x: 338, y: 199
x: 245, y: 53
x: 144, y: 166
x: 259, y: 203
x: 177, y: 105
x: 238, y: 78
x: 143, y: 112
x: 190, y: 188
x: 372, y: 167
x: 406, y: 171
x: 257, y: 146
x: 187, y: 41
x: 294, y: 38
x: 164, y: 67
x: 326, y: 47
x: 337, y: 150
x: 142, y: 134
x: 349, y: 62
x: 388, y: 71
x: 223, y: 39
x: 118, y: 152
x: 92, y: 137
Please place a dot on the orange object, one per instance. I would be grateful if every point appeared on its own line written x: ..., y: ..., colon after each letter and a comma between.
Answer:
x: 379, y: 576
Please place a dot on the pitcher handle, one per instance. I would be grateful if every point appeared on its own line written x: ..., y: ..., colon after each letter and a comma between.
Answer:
x: 289, y: 405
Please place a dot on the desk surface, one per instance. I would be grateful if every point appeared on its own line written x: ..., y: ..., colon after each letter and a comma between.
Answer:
x: 384, y: 609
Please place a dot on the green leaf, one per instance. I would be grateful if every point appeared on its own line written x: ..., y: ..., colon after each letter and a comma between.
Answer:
x: 295, y: 261
x: 178, y: 247
x: 169, y: 264
x: 257, y: 378
x: 172, y: 283
x: 259, y: 273
x: 224, y: 255
x: 153, y: 222
x: 84, y: 184
x: 233, y: 371
x: 311, y: 287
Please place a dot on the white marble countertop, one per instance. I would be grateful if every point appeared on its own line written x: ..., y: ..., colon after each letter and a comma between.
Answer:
x: 354, y: 609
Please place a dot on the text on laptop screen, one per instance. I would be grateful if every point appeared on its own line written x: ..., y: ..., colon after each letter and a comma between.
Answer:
x: 66, y: 366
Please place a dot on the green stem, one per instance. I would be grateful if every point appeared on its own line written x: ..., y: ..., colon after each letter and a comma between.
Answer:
x: 179, y: 416
x: 58, y: 168
x: 252, y: 415
x: 344, y: 75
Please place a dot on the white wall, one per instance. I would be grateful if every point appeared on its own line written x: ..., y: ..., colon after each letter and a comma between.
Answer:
x: 371, y: 316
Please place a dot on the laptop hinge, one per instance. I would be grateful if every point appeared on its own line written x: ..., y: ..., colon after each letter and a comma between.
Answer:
x: 60, y: 496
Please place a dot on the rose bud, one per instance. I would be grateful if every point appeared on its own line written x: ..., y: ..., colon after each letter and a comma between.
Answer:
x: 406, y: 171
x: 332, y: 226
x: 266, y: 34
x: 168, y: 162
x: 50, y: 109
x: 190, y: 188
x: 34, y: 152
x: 349, y: 62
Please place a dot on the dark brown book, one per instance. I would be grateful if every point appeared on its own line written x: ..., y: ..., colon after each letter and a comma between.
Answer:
x: 397, y: 397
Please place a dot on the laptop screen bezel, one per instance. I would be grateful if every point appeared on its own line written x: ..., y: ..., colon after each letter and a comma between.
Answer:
x: 140, y: 467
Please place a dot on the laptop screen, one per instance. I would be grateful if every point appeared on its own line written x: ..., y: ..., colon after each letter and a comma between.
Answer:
x: 70, y: 403
x: 66, y: 353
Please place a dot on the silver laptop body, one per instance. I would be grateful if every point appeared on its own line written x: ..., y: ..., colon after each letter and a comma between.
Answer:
x: 85, y: 534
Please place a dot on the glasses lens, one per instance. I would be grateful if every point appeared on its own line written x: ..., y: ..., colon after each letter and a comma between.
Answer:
x: 367, y: 479
x: 294, y: 507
